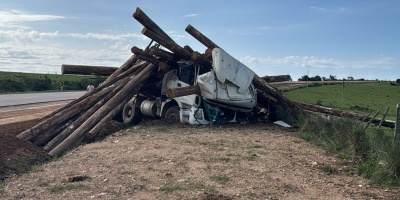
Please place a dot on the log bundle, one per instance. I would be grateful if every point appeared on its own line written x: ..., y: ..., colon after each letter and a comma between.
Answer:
x: 85, y: 116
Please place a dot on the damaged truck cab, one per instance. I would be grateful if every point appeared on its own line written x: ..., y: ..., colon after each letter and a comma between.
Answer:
x: 226, y: 92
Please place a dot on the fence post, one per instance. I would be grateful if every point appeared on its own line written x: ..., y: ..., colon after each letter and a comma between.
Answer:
x: 397, y: 128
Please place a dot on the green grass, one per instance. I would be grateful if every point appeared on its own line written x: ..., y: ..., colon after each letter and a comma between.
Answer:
x: 372, y: 151
x: 13, y: 82
x: 362, y: 98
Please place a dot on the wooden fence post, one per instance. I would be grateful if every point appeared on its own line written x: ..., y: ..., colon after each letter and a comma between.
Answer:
x: 397, y: 128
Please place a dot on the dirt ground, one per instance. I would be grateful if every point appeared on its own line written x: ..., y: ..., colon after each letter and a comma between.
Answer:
x: 175, y: 161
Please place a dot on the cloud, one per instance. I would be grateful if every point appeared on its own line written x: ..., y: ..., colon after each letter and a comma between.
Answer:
x: 24, y: 35
x: 99, y: 36
x: 13, y: 18
x: 329, y: 10
x: 191, y: 15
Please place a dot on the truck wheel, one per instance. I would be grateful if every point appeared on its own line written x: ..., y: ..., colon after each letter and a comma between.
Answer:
x: 131, y: 114
x: 172, y: 114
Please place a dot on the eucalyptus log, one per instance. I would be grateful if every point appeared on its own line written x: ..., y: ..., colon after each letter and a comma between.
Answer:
x: 119, y: 74
x: 142, y: 18
x: 279, y: 78
x: 139, y: 51
x: 87, y: 70
x: 127, y: 64
x: 77, y: 122
x: 341, y: 113
x: 150, y: 59
x: 200, y: 37
x: 183, y: 91
x: 80, y: 132
x: 63, y: 116
x: 163, y: 54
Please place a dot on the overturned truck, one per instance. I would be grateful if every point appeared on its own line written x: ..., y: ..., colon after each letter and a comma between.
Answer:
x: 223, y: 94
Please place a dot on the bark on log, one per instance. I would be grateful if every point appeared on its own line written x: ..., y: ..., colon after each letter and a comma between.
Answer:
x: 163, y: 54
x: 341, y: 113
x: 280, y: 78
x: 150, y: 59
x: 127, y: 64
x: 200, y: 37
x: 63, y: 116
x: 80, y: 132
x: 80, y: 120
x: 128, y: 67
x: 139, y: 51
x: 87, y: 70
x: 142, y: 18
x: 183, y: 91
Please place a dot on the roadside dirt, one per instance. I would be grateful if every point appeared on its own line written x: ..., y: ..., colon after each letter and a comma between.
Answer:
x: 155, y: 160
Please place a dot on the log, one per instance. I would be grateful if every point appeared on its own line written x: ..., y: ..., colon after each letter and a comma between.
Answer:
x: 142, y: 18
x: 74, y: 108
x: 163, y: 54
x: 80, y: 132
x: 150, y: 59
x: 87, y: 70
x: 341, y: 113
x: 183, y: 91
x: 127, y: 64
x: 139, y: 51
x: 80, y: 120
x: 279, y: 78
x: 109, y: 81
x: 200, y: 37
x: 181, y: 52
x: 62, y: 117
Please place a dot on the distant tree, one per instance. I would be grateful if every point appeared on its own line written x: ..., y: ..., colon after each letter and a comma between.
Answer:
x: 350, y: 78
x: 398, y: 80
x: 304, y: 78
x: 316, y: 78
x: 324, y: 78
x: 332, y: 78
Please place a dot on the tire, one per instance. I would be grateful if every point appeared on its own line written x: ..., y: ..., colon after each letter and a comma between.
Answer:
x: 172, y: 114
x: 131, y: 114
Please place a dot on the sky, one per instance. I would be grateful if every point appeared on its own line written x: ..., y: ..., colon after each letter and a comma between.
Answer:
x: 358, y: 38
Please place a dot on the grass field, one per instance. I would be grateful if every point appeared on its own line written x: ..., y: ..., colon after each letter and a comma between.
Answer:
x: 361, y: 98
x: 11, y: 82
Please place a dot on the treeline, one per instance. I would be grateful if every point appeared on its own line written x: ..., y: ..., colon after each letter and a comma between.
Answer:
x: 330, y: 78
x: 24, y: 82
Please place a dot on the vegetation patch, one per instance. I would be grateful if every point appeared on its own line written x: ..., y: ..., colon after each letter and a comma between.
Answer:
x: 374, y: 150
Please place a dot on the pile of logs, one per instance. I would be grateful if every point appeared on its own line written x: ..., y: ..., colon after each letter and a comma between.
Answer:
x: 86, y: 116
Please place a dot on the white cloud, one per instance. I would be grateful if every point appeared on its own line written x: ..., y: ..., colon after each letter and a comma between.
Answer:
x: 14, y: 18
x: 191, y: 15
x: 24, y: 35
x: 107, y: 36
x: 329, y: 10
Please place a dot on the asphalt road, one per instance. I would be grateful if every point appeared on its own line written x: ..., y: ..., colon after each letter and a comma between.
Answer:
x: 21, y: 99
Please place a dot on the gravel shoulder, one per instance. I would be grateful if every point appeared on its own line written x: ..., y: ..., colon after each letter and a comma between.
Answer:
x: 163, y: 161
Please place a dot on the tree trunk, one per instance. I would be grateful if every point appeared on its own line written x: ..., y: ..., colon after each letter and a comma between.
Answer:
x: 200, y: 37
x: 183, y: 91
x: 80, y: 132
x: 87, y: 70
x: 341, y: 113
x: 280, y: 78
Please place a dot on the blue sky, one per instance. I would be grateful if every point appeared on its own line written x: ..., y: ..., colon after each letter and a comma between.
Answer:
x: 358, y: 38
